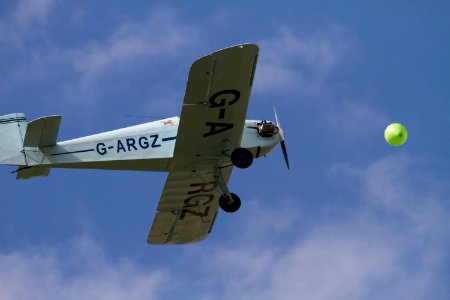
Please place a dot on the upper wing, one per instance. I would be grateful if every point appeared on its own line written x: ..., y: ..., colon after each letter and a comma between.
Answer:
x: 214, y: 111
x: 215, y: 102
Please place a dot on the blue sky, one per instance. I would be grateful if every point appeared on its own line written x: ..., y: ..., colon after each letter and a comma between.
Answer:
x: 353, y: 219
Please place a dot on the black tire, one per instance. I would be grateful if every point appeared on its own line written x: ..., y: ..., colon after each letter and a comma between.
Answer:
x: 241, y: 158
x: 228, y: 207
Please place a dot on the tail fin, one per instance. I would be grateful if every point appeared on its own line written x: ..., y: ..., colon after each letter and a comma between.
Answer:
x: 12, y: 132
x: 20, y: 139
x: 40, y: 133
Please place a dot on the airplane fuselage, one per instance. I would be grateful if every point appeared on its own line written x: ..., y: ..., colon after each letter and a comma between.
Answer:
x: 145, y: 147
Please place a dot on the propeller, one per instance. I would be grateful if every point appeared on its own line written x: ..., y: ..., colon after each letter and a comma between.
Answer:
x: 282, y: 141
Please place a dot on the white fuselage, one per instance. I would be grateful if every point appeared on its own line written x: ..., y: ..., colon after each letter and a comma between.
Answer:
x: 145, y: 147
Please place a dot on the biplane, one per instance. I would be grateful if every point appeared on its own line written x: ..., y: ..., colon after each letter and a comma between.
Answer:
x: 198, y: 149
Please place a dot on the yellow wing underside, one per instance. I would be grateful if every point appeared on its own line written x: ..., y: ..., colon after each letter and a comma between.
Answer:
x: 212, y: 116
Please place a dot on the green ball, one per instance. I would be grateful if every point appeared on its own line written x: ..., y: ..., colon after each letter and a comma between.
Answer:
x: 395, y: 134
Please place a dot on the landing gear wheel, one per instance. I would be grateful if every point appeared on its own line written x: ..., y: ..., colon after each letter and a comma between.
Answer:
x: 242, y: 158
x: 228, y: 206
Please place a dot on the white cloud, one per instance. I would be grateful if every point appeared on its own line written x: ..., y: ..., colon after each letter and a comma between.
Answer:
x: 47, y: 74
x: 302, y: 69
x: 352, y: 122
x: 23, y: 21
x: 292, y: 62
x: 389, y: 244
x: 79, y: 270
x: 160, y: 35
x: 30, y: 10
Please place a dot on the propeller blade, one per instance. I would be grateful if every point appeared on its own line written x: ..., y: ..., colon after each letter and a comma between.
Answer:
x: 282, y: 140
x: 283, y: 147
x: 276, y: 118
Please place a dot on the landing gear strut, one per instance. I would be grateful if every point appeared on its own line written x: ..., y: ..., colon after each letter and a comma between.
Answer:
x: 228, y: 202
x: 241, y: 158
